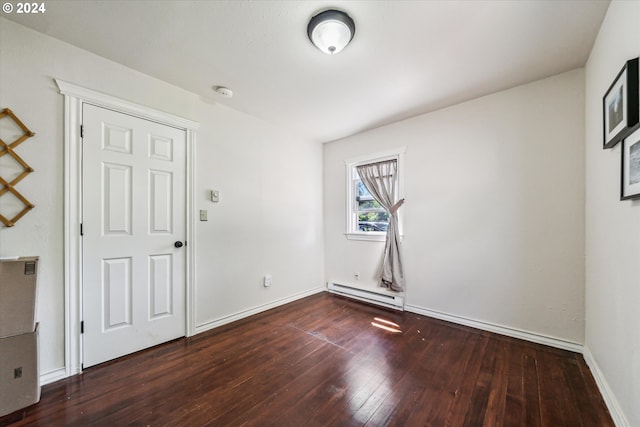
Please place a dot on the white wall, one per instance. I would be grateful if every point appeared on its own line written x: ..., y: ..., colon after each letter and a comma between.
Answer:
x: 494, y: 212
x: 267, y: 220
x: 612, y: 228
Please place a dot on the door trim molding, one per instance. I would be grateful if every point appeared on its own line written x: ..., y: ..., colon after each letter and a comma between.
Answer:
x: 74, y: 97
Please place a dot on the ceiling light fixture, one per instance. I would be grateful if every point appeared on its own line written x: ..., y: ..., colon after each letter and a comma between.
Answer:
x: 331, y: 30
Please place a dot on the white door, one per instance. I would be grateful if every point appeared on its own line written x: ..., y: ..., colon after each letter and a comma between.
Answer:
x: 133, y: 220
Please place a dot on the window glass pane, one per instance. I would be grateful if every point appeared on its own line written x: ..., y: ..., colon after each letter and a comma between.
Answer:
x: 361, y: 191
x: 364, y: 205
x: 373, y: 221
x: 373, y: 216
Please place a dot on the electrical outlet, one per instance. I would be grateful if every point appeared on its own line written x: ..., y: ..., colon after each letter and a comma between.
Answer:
x: 203, y: 215
x: 356, y: 275
x: 267, y: 280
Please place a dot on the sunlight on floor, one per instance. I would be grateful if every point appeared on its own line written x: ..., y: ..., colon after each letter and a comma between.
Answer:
x: 387, y: 325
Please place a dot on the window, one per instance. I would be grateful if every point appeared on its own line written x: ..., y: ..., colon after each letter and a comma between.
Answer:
x: 366, y: 219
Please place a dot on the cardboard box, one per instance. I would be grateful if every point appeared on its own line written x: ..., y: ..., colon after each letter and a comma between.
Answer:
x: 19, y: 372
x: 18, y: 279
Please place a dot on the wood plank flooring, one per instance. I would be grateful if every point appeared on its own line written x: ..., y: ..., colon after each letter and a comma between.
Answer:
x: 320, y: 362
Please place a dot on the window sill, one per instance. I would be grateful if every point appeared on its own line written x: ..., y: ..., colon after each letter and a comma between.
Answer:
x: 370, y: 236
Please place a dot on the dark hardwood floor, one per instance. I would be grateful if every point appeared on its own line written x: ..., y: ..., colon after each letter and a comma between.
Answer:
x: 319, y: 361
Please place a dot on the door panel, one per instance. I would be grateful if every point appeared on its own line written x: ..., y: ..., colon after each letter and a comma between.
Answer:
x: 133, y: 294
x: 161, y: 202
x: 116, y: 190
x: 116, y: 301
x: 161, y: 285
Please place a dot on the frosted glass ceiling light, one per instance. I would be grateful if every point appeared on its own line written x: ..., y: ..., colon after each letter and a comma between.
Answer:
x: 331, y: 30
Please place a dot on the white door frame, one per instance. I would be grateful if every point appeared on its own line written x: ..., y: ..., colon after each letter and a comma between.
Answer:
x: 74, y: 97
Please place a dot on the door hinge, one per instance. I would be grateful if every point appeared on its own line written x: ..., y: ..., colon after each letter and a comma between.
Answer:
x: 81, y: 230
x: 81, y: 131
x: 82, y: 327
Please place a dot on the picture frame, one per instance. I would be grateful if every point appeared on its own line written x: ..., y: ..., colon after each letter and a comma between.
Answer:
x: 620, y: 107
x: 630, y: 170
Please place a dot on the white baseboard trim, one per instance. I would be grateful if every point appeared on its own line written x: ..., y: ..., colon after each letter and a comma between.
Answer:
x: 607, y: 394
x: 53, y: 376
x: 498, y: 329
x: 255, y: 310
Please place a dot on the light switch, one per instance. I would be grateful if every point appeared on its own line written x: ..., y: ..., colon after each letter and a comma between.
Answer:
x: 215, y: 196
x: 203, y: 215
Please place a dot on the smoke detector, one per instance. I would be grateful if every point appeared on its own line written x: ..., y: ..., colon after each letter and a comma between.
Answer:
x: 225, y: 92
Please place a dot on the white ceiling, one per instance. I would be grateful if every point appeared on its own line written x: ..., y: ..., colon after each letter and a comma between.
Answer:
x: 407, y: 57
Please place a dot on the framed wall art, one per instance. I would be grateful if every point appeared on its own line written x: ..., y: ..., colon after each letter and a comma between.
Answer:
x: 620, y: 108
x: 630, y: 170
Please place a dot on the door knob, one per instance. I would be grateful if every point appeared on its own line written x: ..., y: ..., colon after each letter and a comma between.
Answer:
x: 178, y: 244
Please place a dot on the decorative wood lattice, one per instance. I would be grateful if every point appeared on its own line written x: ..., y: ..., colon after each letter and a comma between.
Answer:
x: 8, y: 187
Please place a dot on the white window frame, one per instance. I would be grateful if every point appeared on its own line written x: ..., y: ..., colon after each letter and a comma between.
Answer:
x: 351, y: 231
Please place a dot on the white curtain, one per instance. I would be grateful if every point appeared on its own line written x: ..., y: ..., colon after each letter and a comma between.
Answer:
x: 381, y: 180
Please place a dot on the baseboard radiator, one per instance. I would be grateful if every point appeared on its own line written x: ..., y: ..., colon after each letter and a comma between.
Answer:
x: 382, y: 297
